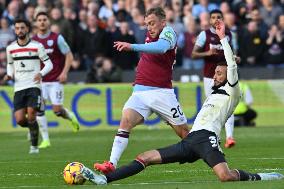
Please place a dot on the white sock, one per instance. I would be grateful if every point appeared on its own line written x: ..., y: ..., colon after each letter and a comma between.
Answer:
x: 68, y: 113
x: 119, y: 145
x: 43, y: 128
x: 229, y: 127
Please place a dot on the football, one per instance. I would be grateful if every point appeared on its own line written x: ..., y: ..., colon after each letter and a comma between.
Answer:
x: 72, y: 174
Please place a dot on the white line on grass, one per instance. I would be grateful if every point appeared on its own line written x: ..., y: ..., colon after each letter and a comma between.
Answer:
x: 123, y: 161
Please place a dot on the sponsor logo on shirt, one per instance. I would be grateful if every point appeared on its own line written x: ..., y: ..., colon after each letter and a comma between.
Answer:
x: 169, y: 35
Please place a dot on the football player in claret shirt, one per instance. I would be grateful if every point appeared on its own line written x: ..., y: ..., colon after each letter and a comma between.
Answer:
x: 52, y: 85
x: 152, y: 91
x: 24, y: 57
x: 203, y: 140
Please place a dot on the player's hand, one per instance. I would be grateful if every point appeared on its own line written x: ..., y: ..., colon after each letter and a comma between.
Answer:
x: 211, y: 52
x: 122, y: 46
x: 220, y: 29
x: 62, y: 78
x: 7, y: 78
x: 38, y: 78
x: 237, y: 59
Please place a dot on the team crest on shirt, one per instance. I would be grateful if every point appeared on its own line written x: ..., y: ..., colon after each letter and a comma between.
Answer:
x: 50, y: 42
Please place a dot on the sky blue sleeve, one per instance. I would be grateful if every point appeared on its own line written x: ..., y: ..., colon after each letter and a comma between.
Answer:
x: 201, y: 39
x: 158, y: 47
x: 62, y: 45
x: 170, y: 35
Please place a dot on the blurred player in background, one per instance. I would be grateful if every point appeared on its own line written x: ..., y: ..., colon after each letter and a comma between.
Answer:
x: 203, y: 140
x: 24, y: 57
x: 208, y: 46
x: 152, y: 90
x: 52, y: 85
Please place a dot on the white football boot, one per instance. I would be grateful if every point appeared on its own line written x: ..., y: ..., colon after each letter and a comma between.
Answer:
x: 96, y: 178
x: 34, y: 150
x: 270, y: 176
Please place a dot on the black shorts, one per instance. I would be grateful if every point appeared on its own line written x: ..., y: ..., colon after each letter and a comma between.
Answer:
x: 201, y: 144
x: 30, y: 97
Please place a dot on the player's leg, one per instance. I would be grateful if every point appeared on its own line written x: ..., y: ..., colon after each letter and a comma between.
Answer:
x: 170, y: 154
x: 134, y: 112
x: 20, y: 108
x: 229, y: 128
x: 181, y: 130
x: 34, y: 103
x: 56, y: 94
x: 20, y: 116
x: 34, y: 129
x: 130, y: 118
x: 225, y: 174
x: 41, y: 118
x: 165, y: 104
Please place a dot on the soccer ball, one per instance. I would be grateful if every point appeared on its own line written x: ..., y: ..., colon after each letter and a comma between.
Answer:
x: 72, y: 174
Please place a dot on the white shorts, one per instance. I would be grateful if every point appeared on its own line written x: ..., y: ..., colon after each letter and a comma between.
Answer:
x: 208, y: 84
x: 163, y: 102
x: 53, y: 92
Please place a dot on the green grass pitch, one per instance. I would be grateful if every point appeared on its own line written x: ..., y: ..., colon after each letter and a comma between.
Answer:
x: 258, y: 149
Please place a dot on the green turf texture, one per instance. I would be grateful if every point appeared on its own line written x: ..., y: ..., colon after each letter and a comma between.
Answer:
x: 258, y: 149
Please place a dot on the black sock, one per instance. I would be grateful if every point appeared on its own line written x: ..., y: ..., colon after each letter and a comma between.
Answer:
x: 34, y: 131
x: 125, y: 171
x: 244, y: 176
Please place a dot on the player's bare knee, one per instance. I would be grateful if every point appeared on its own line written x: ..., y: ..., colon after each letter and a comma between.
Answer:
x: 126, y: 124
x: 149, y: 158
x: 144, y: 159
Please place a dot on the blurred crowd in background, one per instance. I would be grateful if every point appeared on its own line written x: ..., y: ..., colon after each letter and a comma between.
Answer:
x: 91, y: 26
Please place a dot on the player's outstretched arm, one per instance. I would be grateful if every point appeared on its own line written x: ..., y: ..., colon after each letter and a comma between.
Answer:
x: 232, y: 74
x: 158, y: 47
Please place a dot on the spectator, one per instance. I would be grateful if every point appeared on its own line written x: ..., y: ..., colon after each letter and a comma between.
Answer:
x: 65, y: 26
x: 6, y: 33
x: 225, y: 7
x: 3, y: 65
x: 229, y: 19
x: 93, y: 42
x: 104, y: 71
x: 203, y: 6
x: 189, y: 40
x: 263, y: 28
x: 281, y: 24
x: 12, y: 12
x: 204, y: 21
x: 126, y: 60
x: 274, y: 53
x: 137, y: 25
x: 107, y: 10
x: 243, y: 10
x: 112, y: 27
x: 177, y: 9
x: 270, y: 12
x: 244, y: 114
x: 187, y: 9
x: 93, y: 8
x: 251, y: 45
x: 29, y: 13
x: 173, y: 22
